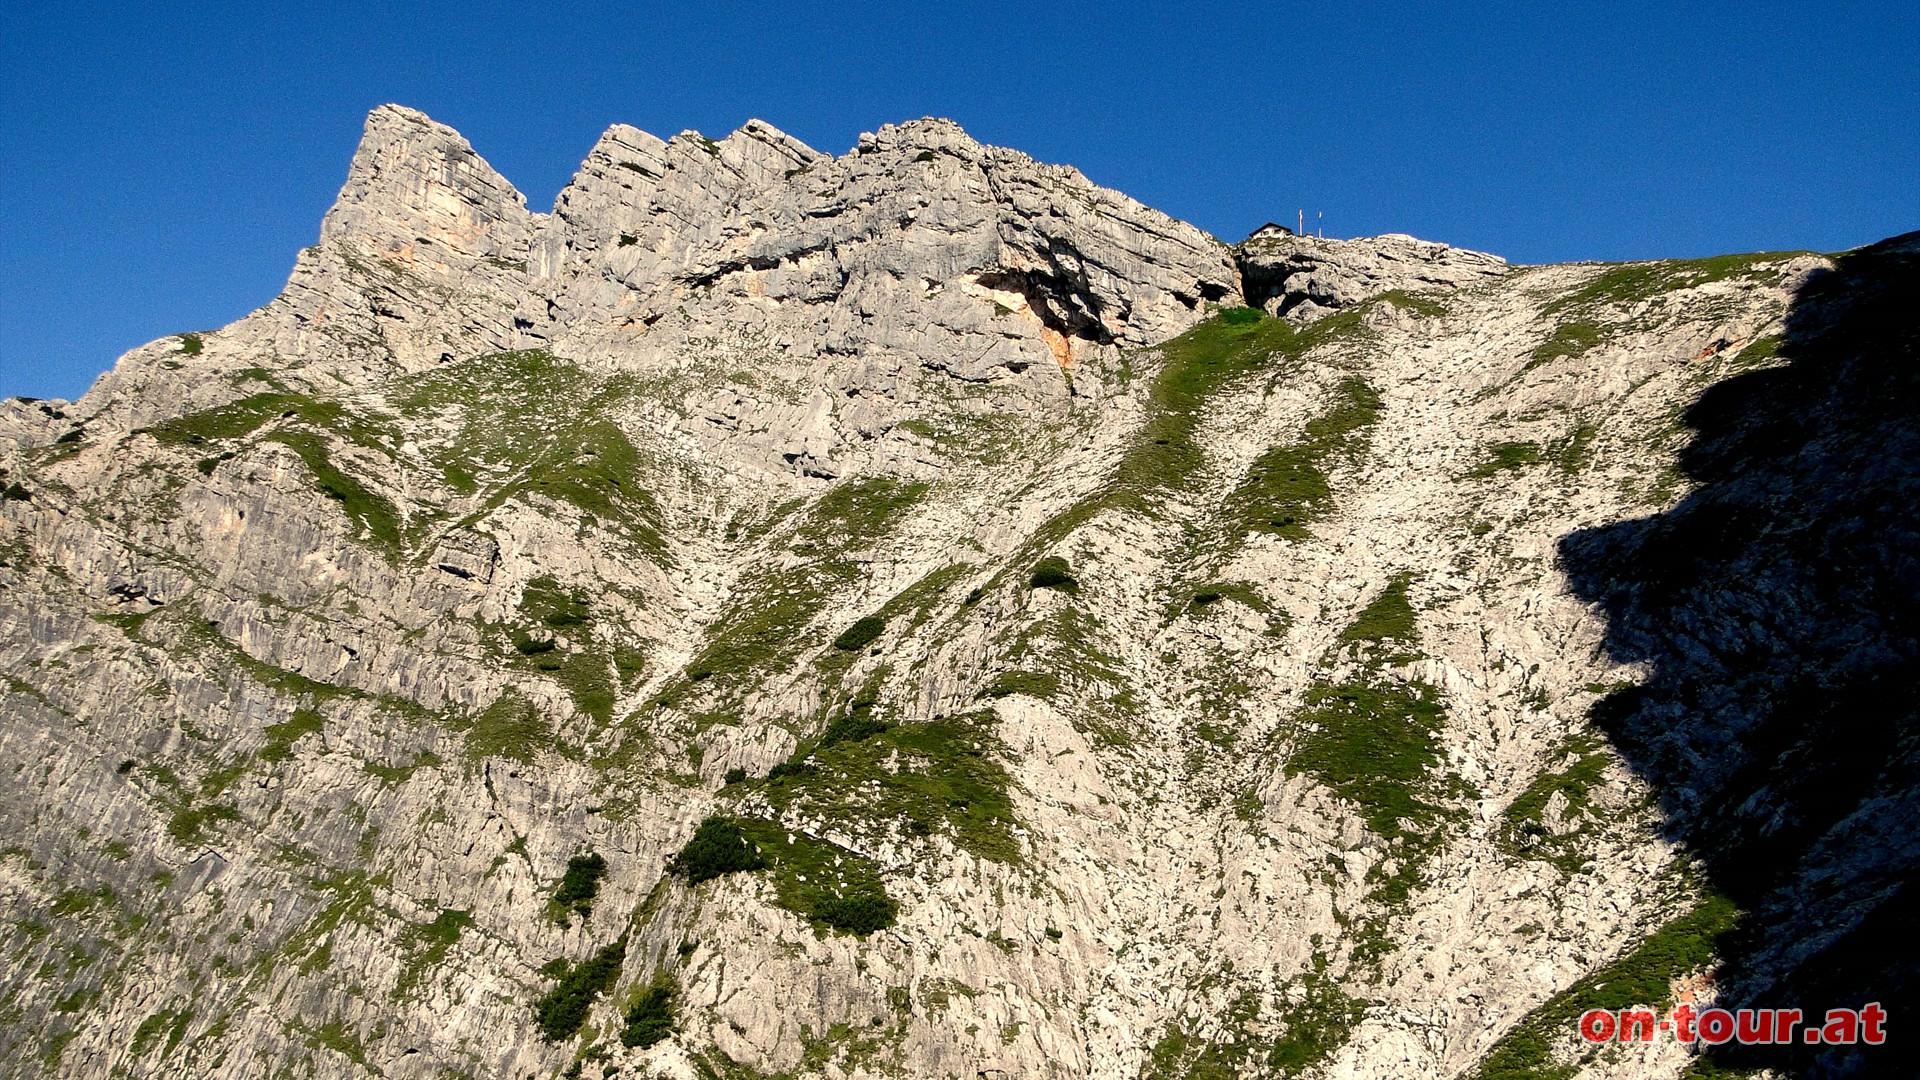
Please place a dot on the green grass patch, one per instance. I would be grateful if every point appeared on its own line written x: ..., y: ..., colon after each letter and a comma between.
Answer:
x: 373, y: 515
x: 1164, y: 454
x: 510, y: 728
x: 1524, y: 833
x: 1758, y: 352
x: 585, y: 677
x: 598, y: 470
x: 529, y: 644
x: 187, y: 825
x: 546, y: 602
x: 857, y: 725
x: 1313, y: 1029
x: 1626, y: 283
x: 862, y: 510
x: 1644, y: 976
x: 533, y: 424
x: 1198, y: 365
x: 583, y: 672
x: 1179, y: 1055
x: 190, y: 344
x: 426, y: 945
x: 1375, y: 745
x: 168, y: 1023
x: 942, y: 775
x: 1503, y: 456
x: 1035, y: 684
x: 334, y: 1035
x: 241, y: 418
x: 1240, y: 592
x: 1424, y: 305
x: 1574, y: 452
x: 128, y: 622
x: 823, y: 882
x: 1567, y: 340
x: 282, y: 736
x: 766, y: 627
x: 1286, y: 487
x: 1387, y: 618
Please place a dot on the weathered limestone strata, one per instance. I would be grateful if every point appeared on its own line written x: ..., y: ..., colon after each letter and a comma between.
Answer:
x: 281, y: 697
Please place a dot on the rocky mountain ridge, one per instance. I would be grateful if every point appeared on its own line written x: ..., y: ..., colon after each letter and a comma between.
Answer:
x: 1092, y: 649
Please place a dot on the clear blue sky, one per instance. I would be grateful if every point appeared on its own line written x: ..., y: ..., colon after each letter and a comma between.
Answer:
x: 160, y: 164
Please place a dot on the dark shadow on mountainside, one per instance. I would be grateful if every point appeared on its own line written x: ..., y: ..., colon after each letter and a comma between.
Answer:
x: 1776, y: 610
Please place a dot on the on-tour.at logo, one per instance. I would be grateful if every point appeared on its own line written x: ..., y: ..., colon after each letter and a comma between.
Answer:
x: 1846, y: 1027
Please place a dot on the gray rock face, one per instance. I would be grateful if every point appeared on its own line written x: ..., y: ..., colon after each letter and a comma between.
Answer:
x: 1306, y: 277
x: 336, y: 639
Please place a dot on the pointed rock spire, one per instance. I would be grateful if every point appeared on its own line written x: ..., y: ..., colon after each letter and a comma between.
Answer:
x: 415, y: 180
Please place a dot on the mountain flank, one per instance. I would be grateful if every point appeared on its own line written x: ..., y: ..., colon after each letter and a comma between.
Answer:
x: 918, y: 613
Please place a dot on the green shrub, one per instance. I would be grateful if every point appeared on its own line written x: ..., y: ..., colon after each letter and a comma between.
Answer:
x: 15, y: 491
x: 860, y: 912
x: 800, y: 767
x: 924, y: 155
x: 718, y: 847
x: 861, y: 634
x: 858, y: 724
x: 530, y: 645
x: 650, y: 1019
x: 190, y: 344
x: 736, y: 775
x: 1053, y: 572
x: 581, y: 883
x: 562, y: 1010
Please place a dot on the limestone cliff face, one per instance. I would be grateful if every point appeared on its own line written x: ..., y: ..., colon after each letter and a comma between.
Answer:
x: 1082, y: 672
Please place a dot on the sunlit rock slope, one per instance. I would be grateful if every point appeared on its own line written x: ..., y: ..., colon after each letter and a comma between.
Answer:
x: 1094, y: 649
